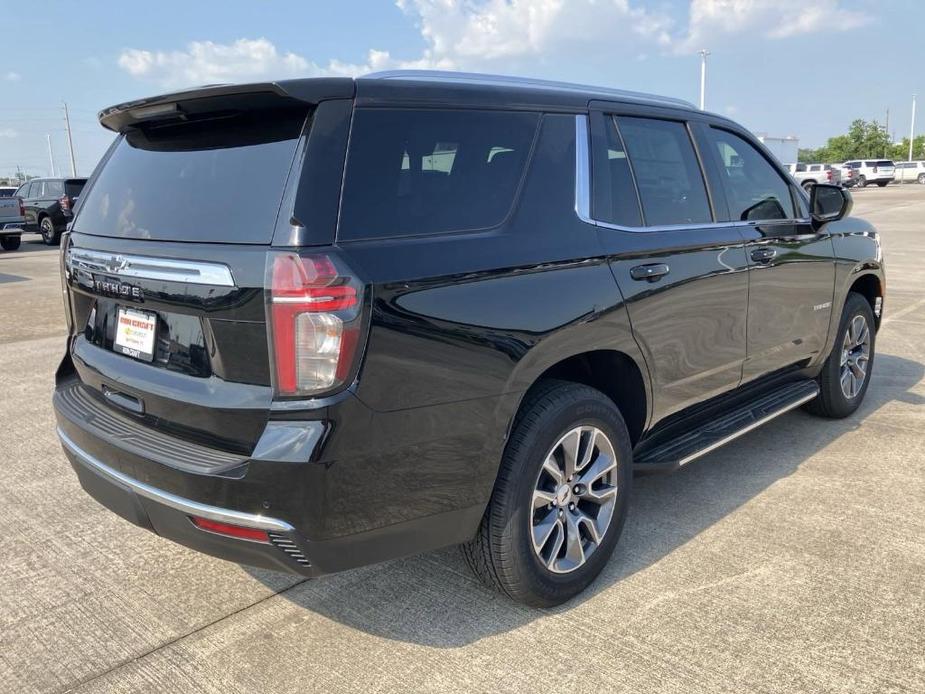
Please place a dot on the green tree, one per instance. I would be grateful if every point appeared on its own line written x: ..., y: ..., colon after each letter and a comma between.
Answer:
x: 900, y: 150
x: 864, y: 139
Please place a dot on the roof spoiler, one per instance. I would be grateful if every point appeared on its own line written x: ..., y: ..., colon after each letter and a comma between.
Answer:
x: 200, y: 100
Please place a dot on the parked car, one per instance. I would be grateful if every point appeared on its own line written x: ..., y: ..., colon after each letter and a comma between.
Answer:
x: 7, y: 191
x: 466, y: 312
x: 908, y: 171
x: 879, y: 171
x: 849, y: 176
x: 49, y: 204
x: 808, y: 175
x: 11, y: 221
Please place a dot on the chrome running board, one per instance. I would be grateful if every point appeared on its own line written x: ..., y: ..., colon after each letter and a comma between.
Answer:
x: 697, y: 442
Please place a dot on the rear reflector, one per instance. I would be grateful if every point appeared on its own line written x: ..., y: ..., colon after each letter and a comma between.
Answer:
x: 228, y: 530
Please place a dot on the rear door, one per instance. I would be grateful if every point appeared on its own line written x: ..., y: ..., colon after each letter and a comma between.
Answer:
x: 25, y: 193
x: 683, y: 276
x: 792, y: 268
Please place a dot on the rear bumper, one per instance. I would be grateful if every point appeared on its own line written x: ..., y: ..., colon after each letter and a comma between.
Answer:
x: 170, y: 516
x: 129, y: 473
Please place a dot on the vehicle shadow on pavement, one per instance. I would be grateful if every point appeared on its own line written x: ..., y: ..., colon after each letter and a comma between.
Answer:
x: 29, y: 246
x: 433, y: 599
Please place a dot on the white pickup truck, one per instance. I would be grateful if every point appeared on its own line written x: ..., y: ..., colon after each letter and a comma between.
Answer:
x: 808, y: 175
x: 12, y: 217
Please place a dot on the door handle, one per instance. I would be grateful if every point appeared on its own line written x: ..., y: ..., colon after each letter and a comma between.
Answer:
x: 650, y: 273
x: 763, y: 255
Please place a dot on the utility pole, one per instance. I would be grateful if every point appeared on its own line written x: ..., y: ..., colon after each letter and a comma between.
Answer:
x: 70, y: 140
x: 912, y: 128
x: 703, y: 75
x: 886, y: 129
x: 51, y: 156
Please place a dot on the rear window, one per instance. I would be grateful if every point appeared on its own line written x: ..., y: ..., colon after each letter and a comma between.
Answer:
x: 7, y: 192
x: 212, y: 180
x: 428, y: 171
x: 74, y: 186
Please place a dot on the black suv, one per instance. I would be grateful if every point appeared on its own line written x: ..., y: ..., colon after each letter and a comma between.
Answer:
x: 49, y: 205
x: 320, y: 323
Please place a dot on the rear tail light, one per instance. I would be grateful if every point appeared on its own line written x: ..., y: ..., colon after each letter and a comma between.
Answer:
x: 314, y: 323
x: 65, y: 203
x: 22, y: 208
x: 828, y: 175
x: 228, y: 530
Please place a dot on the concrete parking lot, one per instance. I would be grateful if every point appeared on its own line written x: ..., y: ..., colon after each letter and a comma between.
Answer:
x: 792, y: 560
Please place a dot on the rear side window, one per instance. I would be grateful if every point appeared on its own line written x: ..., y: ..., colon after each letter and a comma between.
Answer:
x: 671, y: 187
x: 754, y: 189
x: 429, y: 171
x: 622, y: 203
x: 54, y: 189
x: 211, y: 180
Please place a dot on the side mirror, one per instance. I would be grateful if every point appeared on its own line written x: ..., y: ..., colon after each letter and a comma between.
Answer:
x: 829, y: 203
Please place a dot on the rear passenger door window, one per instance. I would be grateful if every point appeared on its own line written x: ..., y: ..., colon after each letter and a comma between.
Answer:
x: 619, y: 202
x: 413, y: 172
x: 667, y: 173
x: 755, y: 190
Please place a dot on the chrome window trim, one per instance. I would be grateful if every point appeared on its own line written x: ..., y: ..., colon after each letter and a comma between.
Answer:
x: 150, y: 268
x: 583, y: 194
x: 178, y: 503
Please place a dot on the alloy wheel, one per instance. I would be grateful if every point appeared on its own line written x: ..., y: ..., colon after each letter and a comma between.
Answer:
x: 855, y: 357
x: 48, y: 230
x: 573, y: 499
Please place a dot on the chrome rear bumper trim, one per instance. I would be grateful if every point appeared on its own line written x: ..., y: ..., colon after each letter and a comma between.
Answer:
x: 178, y: 503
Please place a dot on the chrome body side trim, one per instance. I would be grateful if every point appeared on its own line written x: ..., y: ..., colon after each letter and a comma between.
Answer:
x: 583, y: 195
x: 741, y: 432
x: 145, y: 267
x: 175, y: 502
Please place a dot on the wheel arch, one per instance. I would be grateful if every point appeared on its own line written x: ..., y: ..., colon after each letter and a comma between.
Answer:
x: 613, y: 372
x: 870, y: 286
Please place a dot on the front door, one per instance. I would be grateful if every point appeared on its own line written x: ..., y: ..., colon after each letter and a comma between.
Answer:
x: 792, y: 268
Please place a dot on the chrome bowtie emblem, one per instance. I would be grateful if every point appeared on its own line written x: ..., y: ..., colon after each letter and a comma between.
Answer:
x: 116, y: 263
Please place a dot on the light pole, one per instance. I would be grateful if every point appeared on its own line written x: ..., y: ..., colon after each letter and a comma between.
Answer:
x: 703, y: 74
x: 912, y: 128
x: 70, y: 140
x: 51, y: 156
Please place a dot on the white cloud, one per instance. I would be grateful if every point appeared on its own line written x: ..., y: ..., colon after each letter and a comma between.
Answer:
x: 206, y: 62
x: 12, y: 76
x: 474, y: 34
x: 505, y: 36
x: 713, y: 19
x: 8, y: 132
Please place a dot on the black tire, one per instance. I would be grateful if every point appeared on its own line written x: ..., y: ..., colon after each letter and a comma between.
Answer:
x: 502, y: 553
x: 808, y: 185
x: 921, y: 179
x: 50, y: 235
x: 833, y: 401
x: 882, y: 184
x: 10, y: 243
x: 862, y: 181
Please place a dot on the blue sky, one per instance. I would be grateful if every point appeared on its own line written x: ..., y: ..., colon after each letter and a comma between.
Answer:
x: 786, y: 67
